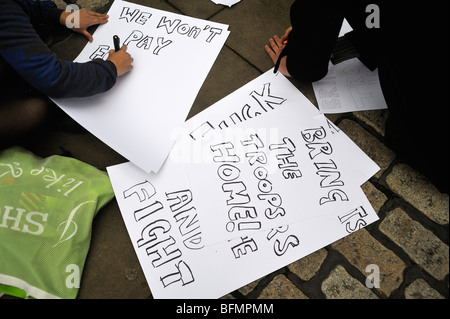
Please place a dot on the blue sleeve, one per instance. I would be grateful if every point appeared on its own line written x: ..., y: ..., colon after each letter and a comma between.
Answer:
x: 22, y: 48
x: 38, y: 10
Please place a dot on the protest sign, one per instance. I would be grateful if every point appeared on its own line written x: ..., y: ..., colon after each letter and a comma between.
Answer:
x: 349, y: 86
x: 167, y: 218
x: 172, y: 56
x: 271, y: 171
x: 161, y: 215
x: 260, y: 98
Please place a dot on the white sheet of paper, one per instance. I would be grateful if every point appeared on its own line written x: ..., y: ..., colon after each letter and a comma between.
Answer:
x: 271, y: 106
x: 161, y: 216
x: 345, y: 28
x: 226, y: 2
x: 172, y: 57
x: 349, y: 86
x: 260, y: 98
x: 272, y: 171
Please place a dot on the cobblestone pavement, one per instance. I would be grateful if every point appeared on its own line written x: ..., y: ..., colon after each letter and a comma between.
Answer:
x: 409, y: 244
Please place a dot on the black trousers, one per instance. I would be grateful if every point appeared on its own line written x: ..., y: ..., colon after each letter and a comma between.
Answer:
x: 411, y: 51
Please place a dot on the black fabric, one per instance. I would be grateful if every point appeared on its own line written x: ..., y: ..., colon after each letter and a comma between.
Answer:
x: 343, y: 51
x: 410, y: 50
x: 23, y: 49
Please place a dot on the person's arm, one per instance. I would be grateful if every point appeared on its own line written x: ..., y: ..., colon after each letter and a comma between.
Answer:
x: 43, y: 11
x: 315, y: 28
x: 276, y: 52
x: 22, y: 48
x: 304, y: 51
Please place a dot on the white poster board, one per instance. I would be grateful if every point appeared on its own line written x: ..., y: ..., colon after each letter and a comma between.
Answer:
x: 349, y: 86
x: 172, y: 56
x: 162, y: 219
x: 164, y: 214
x: 272, y: 171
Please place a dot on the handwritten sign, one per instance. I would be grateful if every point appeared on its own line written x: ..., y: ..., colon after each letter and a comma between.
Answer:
x: 161, y: 215
x: 165, y: 213
x: 258, y: 179
x: 172, y: 56
x: 349, y: 86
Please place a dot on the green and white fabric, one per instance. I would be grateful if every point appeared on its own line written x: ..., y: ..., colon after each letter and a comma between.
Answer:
x: 46, y: 211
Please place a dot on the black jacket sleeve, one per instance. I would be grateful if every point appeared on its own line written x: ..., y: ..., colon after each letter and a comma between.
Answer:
x: 22, y: 48
x: 315, y: 28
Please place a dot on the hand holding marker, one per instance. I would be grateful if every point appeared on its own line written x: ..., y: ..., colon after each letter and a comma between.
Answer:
x: 120, y: 57
x: 116, y: 43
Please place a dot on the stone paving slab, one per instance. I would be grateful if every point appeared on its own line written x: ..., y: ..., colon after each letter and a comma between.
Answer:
x: 409, y: 244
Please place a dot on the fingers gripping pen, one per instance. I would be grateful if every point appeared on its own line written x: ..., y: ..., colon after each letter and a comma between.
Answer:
x: 116, y: 43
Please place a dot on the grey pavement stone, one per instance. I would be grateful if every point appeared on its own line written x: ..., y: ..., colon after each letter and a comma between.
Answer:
x: 376, y: 119
x: 93, y: 5
x: 377, y: 199
x: 104, y: 274
x: 131, y: 273
x: 222, y: 80
x: 281, y: 288
x: 203, y: 10
x: 340, y: 285
x: 252, y: 24
x: 420, y: 289
x: 71, y: 47
x: 306, y: 268
x: 84, y: 147
x: 417, y: 190
x: 362, y: 250
x: 422, y: 246
x: 60, y: 4
x: 156, y: 4
x: 249, y: 288
x: 378, y: 152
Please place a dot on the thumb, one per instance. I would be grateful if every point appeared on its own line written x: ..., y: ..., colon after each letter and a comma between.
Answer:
x: 87, y: 35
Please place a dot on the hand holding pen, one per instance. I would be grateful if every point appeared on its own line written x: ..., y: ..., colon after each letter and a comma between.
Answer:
x: 120, y: 57
x: 275, y: 52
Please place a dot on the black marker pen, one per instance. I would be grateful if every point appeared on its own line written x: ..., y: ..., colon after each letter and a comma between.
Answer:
x: 116, y: 43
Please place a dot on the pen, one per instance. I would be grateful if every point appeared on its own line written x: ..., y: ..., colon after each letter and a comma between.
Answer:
x: 283, y: 53
x: 116, y: 43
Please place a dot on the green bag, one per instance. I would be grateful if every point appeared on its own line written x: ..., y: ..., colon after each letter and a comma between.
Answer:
x: 46, y: 211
